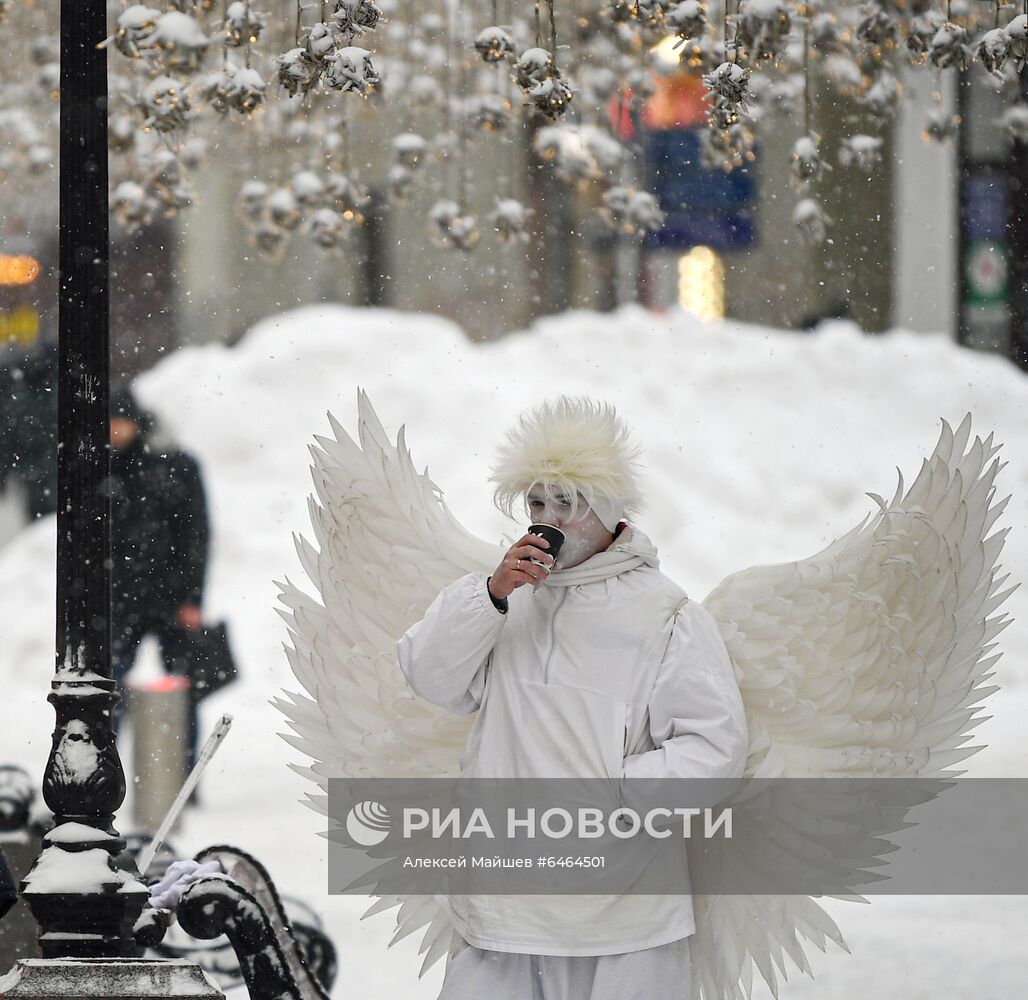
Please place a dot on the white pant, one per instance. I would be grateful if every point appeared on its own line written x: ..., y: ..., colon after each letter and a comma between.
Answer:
x: 477, y: 974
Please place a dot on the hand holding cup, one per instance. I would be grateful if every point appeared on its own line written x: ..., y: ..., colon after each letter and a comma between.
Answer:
x: 529, y: 560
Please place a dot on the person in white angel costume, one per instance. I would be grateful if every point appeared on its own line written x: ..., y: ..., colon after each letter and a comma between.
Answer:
x: 597, y: 666
x: 431, y: 649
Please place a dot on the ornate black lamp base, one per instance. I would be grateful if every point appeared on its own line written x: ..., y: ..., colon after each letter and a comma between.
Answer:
x: 107, y: 978
x: 87, y: 926
x: 84, y: 890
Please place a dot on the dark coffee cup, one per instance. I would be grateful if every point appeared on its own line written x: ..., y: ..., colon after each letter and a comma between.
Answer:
x: 553, y: 535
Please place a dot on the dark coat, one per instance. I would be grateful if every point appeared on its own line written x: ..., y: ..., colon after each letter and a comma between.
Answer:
x: 28, y: 425
x: 159, y: 534
x: 8, y: 891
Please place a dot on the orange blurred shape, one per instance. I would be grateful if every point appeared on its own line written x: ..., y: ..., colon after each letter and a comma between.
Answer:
x: 678, y: 101
x: 18, y: 270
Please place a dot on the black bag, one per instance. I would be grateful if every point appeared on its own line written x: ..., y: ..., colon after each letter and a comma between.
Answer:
x: 201, y: 654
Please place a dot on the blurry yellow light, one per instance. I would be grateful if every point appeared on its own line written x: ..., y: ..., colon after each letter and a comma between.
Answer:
x: 701, y: 283
x: 18, y: 270
x: 668, y: 50
x: 21, y: 325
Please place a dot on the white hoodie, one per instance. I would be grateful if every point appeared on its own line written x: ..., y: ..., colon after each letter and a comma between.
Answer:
x: 607, y: 670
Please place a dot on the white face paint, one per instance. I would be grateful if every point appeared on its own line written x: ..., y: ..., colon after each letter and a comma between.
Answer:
x: 585, y: 532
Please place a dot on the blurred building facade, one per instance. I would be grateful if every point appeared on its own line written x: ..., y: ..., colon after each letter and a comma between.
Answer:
x: 894, y: 255
x: 890, y: 260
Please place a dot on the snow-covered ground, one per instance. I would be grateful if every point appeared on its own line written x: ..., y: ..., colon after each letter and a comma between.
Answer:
x: 760, y: 444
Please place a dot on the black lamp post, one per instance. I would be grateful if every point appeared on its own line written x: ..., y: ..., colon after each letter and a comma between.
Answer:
x: 83, y: 890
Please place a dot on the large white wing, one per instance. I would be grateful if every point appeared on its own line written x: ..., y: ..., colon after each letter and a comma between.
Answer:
x: 384, y: 545
x: 867, y: 659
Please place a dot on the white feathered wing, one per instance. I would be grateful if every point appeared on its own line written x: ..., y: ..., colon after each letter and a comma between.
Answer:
x: 385, y: 544
x: 867, y: 658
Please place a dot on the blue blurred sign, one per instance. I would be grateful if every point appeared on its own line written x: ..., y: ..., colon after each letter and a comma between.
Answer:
x: 985, y: 293
x: 703, y: 207
x: 985, y: 210
x: 986, y: 194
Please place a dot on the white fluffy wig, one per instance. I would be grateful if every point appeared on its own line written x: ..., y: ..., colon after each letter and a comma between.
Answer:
x: 570, y: 445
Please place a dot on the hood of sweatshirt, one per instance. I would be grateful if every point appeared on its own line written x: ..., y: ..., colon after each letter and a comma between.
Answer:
x: 630, y: 550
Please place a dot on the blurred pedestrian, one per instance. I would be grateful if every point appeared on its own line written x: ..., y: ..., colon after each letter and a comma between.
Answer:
x: 8, y: 891
x: 159, y: 541
x: 28, y: 425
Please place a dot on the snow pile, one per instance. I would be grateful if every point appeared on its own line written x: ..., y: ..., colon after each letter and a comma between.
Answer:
x: 759, y: 445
